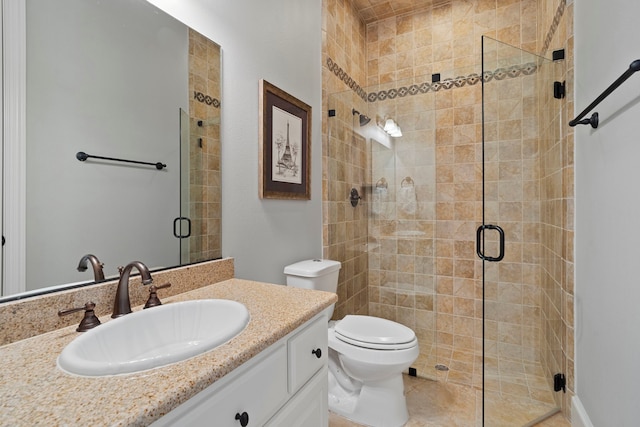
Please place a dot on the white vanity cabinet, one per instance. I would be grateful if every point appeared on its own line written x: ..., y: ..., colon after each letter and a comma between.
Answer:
x: 308, y: 408
x: 284, y: 385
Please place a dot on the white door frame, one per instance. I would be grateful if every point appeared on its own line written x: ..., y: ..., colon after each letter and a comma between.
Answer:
x: 13, y: 263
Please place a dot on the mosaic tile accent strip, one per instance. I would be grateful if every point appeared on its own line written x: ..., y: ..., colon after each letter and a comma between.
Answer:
x: 206, y: 99
x: 446, y: 84
x: 452, y: 83
x: 554, y: 26
x: 348, y: 80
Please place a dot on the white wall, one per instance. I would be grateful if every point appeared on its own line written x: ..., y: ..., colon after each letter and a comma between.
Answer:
x: 279, y: 41
x: 608, y: 215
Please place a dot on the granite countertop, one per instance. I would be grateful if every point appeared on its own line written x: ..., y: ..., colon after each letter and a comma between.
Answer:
x: 34, y: 391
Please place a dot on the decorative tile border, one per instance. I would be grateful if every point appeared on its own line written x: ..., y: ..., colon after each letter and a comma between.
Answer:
x: 416, y: 89
x: 554, y: 26
x: 348, y: 80
x: 206, y: 99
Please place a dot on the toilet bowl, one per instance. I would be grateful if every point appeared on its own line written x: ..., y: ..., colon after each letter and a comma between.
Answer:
x: 367, y: 355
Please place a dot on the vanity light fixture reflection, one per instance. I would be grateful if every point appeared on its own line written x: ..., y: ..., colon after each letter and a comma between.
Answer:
x: 392, y: 128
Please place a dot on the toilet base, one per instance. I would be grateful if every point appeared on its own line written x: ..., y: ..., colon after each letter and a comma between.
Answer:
x: 376, y: 404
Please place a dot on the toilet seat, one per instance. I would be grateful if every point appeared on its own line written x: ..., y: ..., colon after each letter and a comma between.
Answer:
x: 374, y: 333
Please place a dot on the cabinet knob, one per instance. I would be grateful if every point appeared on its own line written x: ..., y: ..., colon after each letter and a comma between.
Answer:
x: 243, y: 418
x: 317, y: 352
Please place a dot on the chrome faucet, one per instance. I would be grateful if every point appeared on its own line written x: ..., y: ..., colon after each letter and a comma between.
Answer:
x: 122, y: 304
x: 98, y: 274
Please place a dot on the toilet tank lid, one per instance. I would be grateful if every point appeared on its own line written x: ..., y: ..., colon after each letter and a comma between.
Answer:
x: 312, y: 268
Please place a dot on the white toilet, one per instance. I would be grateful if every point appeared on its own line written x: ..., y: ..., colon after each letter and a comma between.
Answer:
x: 367, y: 355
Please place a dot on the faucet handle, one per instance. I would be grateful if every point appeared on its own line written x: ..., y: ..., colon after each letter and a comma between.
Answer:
x: 153, y: 295
x: 89, y: 321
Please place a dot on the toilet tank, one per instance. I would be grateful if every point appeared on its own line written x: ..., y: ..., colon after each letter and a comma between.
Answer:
x: 319, y: 274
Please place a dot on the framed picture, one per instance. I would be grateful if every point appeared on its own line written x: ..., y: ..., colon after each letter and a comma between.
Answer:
x: 285, y: 145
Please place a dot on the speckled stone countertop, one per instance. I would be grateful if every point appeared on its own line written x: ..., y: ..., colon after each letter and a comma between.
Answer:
x: 34, y: 391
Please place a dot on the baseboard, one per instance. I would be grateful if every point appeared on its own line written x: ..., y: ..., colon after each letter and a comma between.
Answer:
x: 579, y: 417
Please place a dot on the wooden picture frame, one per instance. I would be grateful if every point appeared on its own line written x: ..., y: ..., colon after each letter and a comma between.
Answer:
x: 285, y: 145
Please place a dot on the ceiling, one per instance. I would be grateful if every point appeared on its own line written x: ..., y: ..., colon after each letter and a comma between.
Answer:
x: 375, y: 10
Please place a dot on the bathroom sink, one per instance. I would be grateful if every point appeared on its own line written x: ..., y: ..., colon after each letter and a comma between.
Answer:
x: 154, y: 337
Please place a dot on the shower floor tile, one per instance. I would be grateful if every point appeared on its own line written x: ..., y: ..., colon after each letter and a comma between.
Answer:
x: 516, y: 379
x: 439, y: 404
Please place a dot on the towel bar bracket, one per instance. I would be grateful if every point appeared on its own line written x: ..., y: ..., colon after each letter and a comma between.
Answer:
x: 593, y: 120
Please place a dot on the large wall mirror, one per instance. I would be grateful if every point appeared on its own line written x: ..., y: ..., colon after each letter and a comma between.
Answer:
x: 118, y: 79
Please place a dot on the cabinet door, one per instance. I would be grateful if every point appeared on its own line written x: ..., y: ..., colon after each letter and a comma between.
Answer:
x: 307, y: 353
x: 258, y: 391
x: 308, y: 408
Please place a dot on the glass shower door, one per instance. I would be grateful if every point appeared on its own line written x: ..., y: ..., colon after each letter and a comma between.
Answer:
x: 520, y: 176
x: 199, y: 224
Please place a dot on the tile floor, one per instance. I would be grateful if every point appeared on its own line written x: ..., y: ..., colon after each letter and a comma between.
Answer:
x: 444, y: 404
x: 515, y: 378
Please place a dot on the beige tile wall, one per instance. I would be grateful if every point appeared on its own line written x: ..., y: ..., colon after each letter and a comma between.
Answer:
x: 204, y: 174
x: 512, y: 200
x: 446, y: 40
x: 402, y: 224
x: 344, y: 154
x: 557, y: 222
x: 533, y: 200
x: 446, y: 37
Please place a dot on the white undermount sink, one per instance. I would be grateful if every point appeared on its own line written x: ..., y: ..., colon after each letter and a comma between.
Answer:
x: 154, y: 337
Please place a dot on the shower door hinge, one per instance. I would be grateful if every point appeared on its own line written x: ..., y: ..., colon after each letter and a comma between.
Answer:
x: 559, y: 90
x: 559, y: 383
x: 558, y: 55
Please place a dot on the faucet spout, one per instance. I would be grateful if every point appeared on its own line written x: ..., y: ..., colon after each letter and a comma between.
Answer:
x: 122, y: 303
x: 98, y: 274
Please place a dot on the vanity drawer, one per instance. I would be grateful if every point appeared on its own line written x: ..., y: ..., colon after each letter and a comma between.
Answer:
x: 307, y: 353
x: 259, y: 392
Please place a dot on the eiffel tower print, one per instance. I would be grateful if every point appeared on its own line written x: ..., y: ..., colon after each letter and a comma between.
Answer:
x: 287, y: 160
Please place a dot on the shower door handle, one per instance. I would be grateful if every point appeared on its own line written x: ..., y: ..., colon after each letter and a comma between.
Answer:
x: 479, y: 239
x: 178, y: 234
